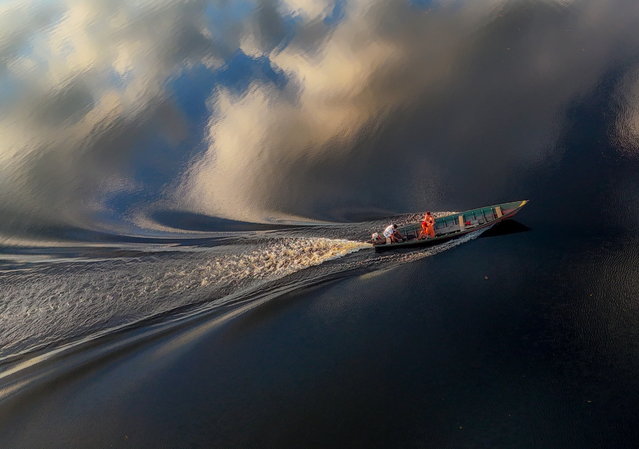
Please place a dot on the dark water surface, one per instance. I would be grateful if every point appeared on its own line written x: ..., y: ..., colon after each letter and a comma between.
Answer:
x: 527, y: 339
x: 185, y: 191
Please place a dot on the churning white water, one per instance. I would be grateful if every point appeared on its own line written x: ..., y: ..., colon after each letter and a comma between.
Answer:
x: 52, y: 299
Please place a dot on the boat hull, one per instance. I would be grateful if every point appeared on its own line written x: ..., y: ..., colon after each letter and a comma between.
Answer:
x: 452, y: 227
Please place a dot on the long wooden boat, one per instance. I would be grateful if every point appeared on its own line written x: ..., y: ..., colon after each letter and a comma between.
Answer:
x: 455, y: 225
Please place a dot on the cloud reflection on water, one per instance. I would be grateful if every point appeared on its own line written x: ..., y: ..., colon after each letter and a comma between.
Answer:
x: 403, y: 106
x: 387, y: 104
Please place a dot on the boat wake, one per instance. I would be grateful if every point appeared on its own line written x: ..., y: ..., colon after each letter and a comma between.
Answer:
x: 57, y: 300
x: 54, y: 304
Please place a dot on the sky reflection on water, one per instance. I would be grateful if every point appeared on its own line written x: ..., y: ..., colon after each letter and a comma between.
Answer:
x: 113, y: 110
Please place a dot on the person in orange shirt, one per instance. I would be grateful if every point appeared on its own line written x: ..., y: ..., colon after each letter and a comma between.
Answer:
x: 428, y: 227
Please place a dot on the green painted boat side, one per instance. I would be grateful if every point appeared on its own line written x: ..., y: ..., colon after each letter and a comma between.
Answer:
x: 448, y: 227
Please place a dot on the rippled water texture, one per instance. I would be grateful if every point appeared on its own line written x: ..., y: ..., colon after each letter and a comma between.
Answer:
x: 56, y: 298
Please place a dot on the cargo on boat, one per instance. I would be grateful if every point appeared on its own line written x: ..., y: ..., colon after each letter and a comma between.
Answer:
x: 454, y: 225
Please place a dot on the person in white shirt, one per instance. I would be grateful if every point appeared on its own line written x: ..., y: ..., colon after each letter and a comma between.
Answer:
x: 392, y: 234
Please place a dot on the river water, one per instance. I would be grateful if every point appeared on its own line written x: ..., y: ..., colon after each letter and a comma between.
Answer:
x: 186, y: 189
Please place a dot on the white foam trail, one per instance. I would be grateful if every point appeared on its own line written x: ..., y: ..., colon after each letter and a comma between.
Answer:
x: 65, y: 303
x: 52, y: 302
x: 148, y: 286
